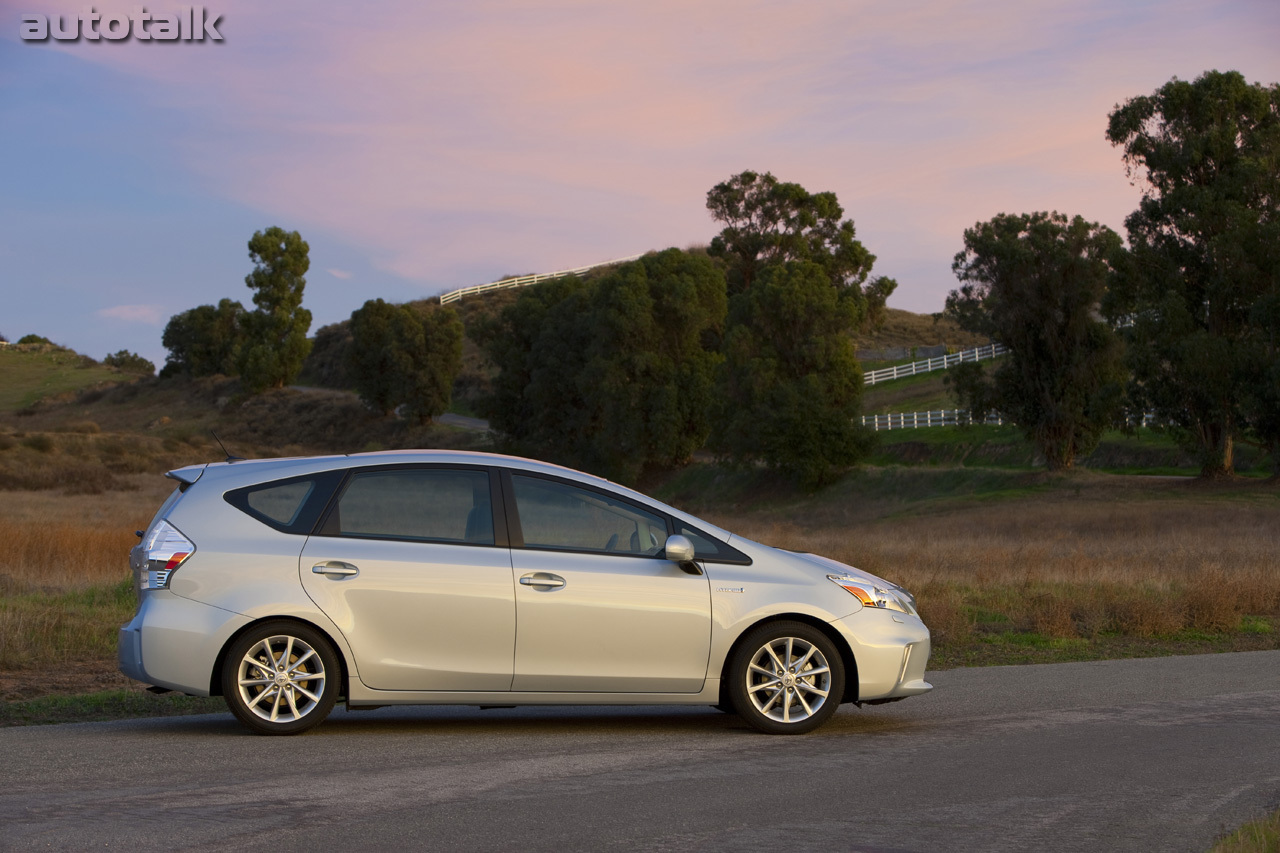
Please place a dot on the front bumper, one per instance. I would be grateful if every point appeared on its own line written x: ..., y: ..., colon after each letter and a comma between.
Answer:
x: 891, y: 650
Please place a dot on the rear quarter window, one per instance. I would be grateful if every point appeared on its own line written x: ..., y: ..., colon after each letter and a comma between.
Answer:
x: 291, y: 505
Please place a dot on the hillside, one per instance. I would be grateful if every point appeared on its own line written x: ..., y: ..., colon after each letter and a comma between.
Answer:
x: 908, y: 329
x: 30, y: 372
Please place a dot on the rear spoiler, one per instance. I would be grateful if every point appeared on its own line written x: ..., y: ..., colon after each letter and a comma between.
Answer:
x: 187, y: 475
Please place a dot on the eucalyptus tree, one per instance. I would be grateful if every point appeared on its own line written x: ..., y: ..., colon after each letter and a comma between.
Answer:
x: 1035, y: 282
x: 1205, y: 258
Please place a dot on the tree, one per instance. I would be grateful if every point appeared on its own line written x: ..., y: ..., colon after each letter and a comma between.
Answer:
x: 612, y: 374
x: 204, y: 341
x: 328, y: 362
x: 275, y: 333
x: 437, y: 359
x: 378, y: 358
x: 1260, y: 405
x: 1034, y: 282
x: 402, y: 357
x: 1203, y: 241
x: 791, y: 386
x: 129, y: 362
x: 768, y: 222
x: 649, y: 377
x: 794, y: 240
x: 538, y: 351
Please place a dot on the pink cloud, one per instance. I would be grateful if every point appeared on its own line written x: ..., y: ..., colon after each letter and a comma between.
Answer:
x: 151, y: 315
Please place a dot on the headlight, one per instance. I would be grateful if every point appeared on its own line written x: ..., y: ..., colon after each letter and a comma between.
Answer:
x: 871, y: 595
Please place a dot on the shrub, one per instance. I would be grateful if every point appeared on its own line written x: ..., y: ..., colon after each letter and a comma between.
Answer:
x: 129, y: 362
x: 39, y: 442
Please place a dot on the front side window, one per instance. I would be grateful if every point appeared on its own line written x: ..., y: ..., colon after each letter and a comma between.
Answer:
x: 427, y: 504
x: 559, y: 516
x: 708, y: 548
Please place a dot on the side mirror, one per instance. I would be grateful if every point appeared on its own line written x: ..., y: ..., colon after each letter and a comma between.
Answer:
x: 679, y: 550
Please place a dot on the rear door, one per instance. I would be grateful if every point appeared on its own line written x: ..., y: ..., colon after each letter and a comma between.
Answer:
x: 598, y: 607
x: 413, y: 569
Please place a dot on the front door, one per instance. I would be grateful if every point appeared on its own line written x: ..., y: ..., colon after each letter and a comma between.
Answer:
x: 598, y: 608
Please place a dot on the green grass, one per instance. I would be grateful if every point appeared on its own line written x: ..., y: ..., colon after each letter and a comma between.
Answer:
x: 1147, y: 453
x: 924, y: 392
x: 1259, y: 836
x: 26, y: 377
x: 1017, y: 648
x: 107, y: 705
x: 43, y: 627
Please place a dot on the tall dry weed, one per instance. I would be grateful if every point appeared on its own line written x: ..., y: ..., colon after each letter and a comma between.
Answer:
x: 49, y: 556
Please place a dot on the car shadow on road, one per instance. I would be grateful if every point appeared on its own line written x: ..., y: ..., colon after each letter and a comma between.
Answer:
x: 548, y: 722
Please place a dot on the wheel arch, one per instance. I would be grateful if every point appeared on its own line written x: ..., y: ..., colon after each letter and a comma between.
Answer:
x: 846, y: 653
x: 215, y: 677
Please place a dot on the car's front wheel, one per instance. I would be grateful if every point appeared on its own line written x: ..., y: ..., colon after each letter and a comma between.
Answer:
x: 281, y: 678
x: 786, y: 678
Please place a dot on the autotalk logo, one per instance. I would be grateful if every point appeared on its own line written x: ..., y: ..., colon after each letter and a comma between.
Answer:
x: 188, y: 23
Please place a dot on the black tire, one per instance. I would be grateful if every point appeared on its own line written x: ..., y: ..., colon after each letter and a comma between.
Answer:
x: 795, y: 693
x: 297, y: 687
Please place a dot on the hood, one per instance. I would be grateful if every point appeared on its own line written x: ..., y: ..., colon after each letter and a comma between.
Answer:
x: 835, y: 567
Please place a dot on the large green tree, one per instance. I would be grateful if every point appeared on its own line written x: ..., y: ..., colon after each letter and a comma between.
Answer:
x: 400, y: 356
x: 1034, y: 282
x: 791, y: 386
x: 1206, y: 155
x: 769, y: 222
x: 275, y: 342
x: 204, y: 341
x: 613, y: 374
x: 799, y: 289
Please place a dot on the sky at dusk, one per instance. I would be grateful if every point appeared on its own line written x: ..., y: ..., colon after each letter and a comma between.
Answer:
x: 424, y: 146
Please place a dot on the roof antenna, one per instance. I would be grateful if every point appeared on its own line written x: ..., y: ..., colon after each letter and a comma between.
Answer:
x: 230, y: 458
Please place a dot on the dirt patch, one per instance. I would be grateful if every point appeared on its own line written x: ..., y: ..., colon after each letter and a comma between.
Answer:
x: 65, y: 679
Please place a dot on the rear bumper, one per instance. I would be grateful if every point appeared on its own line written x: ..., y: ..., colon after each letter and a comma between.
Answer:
x: 174, y: 642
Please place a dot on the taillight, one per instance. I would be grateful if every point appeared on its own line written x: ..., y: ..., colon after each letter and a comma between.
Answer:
x: 165, y: 549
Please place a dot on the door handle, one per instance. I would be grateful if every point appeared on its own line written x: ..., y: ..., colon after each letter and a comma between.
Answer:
x: 546, y: 580
x: 334, y: 567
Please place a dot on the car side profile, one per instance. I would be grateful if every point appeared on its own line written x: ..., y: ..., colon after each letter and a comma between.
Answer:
x: 442, y: 577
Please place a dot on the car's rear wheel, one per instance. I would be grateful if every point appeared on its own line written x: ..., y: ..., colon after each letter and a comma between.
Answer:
x: 786, y: 678
x: 281, y: 678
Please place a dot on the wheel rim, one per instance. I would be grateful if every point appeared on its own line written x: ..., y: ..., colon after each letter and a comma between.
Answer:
x: 788, y: 680
x: 281, y: 679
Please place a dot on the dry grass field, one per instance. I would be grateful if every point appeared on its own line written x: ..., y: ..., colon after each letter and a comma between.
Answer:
x: 1054, y: 565
x: 1066, y: 571
x: 64, y: 584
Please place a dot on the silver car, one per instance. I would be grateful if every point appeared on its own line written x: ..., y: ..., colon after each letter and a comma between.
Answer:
x: 437, y: 577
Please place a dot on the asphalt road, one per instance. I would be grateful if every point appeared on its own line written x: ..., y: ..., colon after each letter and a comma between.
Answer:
x: 1159, y: 754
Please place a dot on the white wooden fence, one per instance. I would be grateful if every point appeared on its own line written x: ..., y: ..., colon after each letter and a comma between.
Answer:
x: 525, y: 280
x: 949, y: 417
x: 942, y: 362
x: 917, y: 420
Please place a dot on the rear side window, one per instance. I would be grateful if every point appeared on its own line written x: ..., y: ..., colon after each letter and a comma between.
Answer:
x: 290, y: 506
x: 416, y: 504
